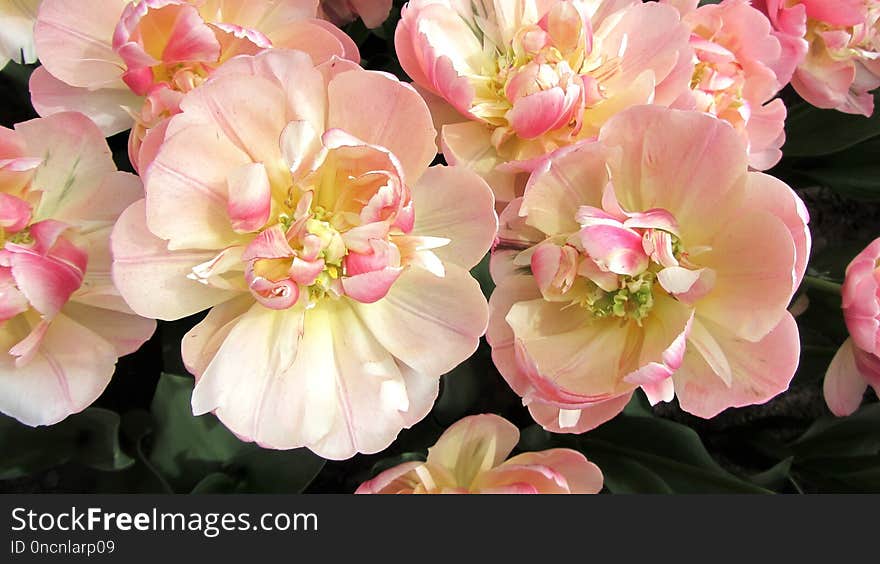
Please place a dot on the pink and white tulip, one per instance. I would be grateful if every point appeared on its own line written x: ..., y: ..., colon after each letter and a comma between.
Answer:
x: 469, y: 458
x: 62, y: 323
x: 296, y: 202
x: 857, y: 363
x: 511, y: 82
x: 739, y: 67
x: 839, y: 48
x: 372, y: 12
x: 649, y: 259
x: 17, y: 31
x: 128, y: 64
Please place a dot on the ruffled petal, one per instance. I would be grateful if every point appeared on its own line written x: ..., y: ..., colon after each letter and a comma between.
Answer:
x: 457, y: 204
x: 152, y: 279
x: 66, y: 374
x: 315, y: 378
x: 388, y: 113
x: 558, y: 188
x: 760, y: 370
x: 474, y: 445
x: 74, y: 41
x: 110, y: 108
x: 844, y: 386
x: 431, y: 324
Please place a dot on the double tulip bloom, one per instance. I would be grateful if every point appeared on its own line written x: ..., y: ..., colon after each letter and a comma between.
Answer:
x: 62, y: 323
x: 857, y: 363
x: 838, y: 46
x: 650, y: 258
x: 470, y: 458
x: 336, y: 262
x: 128, y: 64
x: 511, y: 82
x: 739, y: 67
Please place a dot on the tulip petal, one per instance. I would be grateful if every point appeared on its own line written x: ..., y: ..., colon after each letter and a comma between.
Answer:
x: 570, y: 351
x: 125, y: 331
x: 438, y: 198
x: 250, y: 197
x: 686, y: 162
x: 109, y: 108
x: 615, y: 249
x: 77, y: 164
x: 388, y: 113
x: 152, y: 279
x: 73, y: 39
x: 67, y: 373
x: 305, y: 393
x: 750, y: 296
x: 474, y: 445
x: 581, y: 476
x: 431, y: 324
x: 557, y: 189
x: 775, y: 196
x: 468, y: 144
x: 760, y: 370
x: 844, y: 386
x: 548, y: 416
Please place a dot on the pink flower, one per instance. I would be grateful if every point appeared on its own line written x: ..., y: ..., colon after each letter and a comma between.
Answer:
x: 128, y: 64
x: 839, y: 48
x: 17, y: 31
x: 513, y: 82
x: 372, y: 12
x: 857, y: 364
x: 62, y: 323
x: 295, y: 201
x: 739, y: 66
x: 650, y: 258
x: 470, y: 458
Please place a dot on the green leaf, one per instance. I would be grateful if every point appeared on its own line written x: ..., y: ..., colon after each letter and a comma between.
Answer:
x: 813, y: 132
x: 186, y: 449
x: 98, y: 440
x: 856, y: 435
x: 90, y: 438
x: 650, y: 454
x: 481, y: 273
x: 775, y: 477
x: 218, y: 482
x: 638, y: 405
x: 860, y: 181
x: 625, y: 476
x: 851, y: 173
x: 852, y: 474
x: 18, y: 74
x: 275, y: 471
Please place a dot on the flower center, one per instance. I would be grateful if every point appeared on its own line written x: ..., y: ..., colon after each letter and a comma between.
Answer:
x: 339, y: 229
x: 535, y: 85
x: 616, y: 263
x: 633, y: 300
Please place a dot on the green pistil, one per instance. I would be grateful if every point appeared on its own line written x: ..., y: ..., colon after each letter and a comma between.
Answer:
x: 286, y: 221
x: 633, y: 300
x: 22, y: 238
x: 677, y: 247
